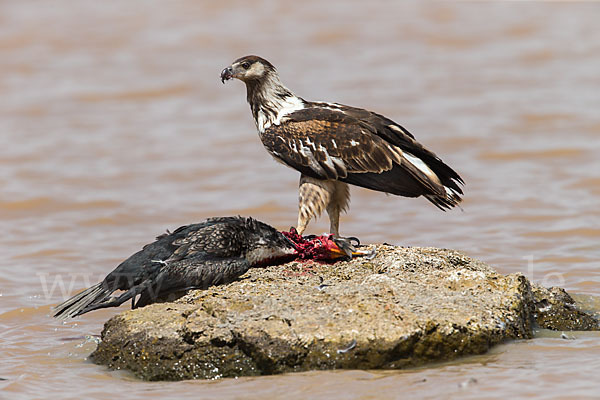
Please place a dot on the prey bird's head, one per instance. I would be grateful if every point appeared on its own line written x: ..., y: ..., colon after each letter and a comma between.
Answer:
x: 247, y: 69
x: 264, y: 244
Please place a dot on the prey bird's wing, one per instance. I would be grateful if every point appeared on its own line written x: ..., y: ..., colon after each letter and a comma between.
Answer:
x: 217, y: 240
x: 145, y: 263
x: 200, y: 272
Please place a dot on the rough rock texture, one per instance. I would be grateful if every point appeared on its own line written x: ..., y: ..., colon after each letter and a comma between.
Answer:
x: 406, y: 307
x: 556, y: 310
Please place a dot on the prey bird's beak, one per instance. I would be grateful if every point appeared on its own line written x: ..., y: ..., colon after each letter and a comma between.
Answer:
x: 226, y: 74
x: 292, y: 244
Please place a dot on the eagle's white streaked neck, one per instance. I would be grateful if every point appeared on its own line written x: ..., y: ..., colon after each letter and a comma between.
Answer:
x: 270, y: 101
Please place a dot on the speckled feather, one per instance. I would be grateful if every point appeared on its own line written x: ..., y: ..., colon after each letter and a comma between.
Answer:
x: 329, y: 141
x: 326, y: 144
x: 212, y: 252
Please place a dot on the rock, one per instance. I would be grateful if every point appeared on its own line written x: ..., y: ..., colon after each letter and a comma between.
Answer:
x: 556, y: 310
x: 406, y: 307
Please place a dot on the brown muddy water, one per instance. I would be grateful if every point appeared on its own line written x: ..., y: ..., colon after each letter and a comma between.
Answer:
x: 115, y: 126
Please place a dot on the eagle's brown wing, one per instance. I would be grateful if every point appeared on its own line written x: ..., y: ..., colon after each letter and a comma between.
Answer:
x: 356, y: 146
x: 325, y: 144
x: 397, y: 135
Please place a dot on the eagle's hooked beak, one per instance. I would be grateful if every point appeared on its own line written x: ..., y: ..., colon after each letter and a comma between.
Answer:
x: 226, y: 74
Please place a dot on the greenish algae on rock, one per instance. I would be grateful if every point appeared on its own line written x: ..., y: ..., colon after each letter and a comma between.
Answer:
x: 405, y: 307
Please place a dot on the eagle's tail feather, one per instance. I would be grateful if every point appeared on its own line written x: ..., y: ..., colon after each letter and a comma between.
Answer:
x: 415, y: 176
x: 439, y: 180
x: 447, y: 201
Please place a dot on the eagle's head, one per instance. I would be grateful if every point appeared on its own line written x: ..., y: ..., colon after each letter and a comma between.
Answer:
x: 248, y: 68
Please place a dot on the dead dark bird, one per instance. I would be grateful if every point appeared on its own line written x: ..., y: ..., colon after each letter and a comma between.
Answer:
x: 333, y: 145
x: 197, y: 256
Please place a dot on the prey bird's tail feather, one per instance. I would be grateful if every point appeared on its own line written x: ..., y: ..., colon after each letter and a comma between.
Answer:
x: 76, y: 304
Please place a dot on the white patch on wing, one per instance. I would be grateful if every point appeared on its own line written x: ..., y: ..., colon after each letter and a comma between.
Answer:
x: 334, y: 143
x: 314, y: 165
x: 303, y: 150
x: 310, y: 143
x: 284, y: 107
x: 331, y: 109
x: 341, y: 166
x: 339, y: 162
x: 337, y: 106
x: 329, y: 162
x: 397, y: 129
x: 354, y: 143
x: 328, y: 106
x: 396, y: 153
x: 417, y: 162
x: 312, y: 161
x: 288, y: 106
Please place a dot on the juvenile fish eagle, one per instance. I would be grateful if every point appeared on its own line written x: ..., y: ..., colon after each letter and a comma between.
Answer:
x: 333, y: 145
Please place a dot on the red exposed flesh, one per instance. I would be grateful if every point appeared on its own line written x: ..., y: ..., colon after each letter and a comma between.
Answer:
x: 317, y: 248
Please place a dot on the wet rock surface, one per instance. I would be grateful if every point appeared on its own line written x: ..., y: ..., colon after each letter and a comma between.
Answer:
x: 405, y: 307
x: 555, y: 309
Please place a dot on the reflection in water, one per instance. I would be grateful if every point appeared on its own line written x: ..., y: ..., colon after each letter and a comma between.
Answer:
x: 116, y: 126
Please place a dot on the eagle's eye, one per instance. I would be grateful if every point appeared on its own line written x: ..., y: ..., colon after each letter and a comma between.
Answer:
x: 245, y: 65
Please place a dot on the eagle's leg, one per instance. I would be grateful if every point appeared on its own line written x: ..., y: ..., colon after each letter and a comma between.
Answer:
x: 316, y: 195
x: 338, y: 202
x: 313, y: 196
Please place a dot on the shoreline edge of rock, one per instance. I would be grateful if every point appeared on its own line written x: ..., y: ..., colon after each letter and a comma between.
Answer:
x: 404, y: 308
